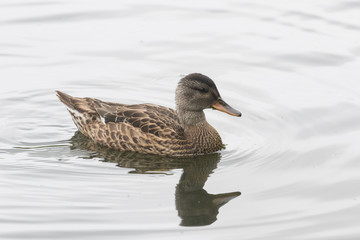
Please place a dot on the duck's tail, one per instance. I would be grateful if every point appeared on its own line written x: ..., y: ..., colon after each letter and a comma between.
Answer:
x: 74, y: 103
x: 82, y: 111
x: 66, y: 99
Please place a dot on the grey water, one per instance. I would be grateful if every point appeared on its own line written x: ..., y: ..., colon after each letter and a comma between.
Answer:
x: 290, y: 169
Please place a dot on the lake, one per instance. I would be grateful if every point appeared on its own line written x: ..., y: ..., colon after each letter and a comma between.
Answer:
x: 290, y: 169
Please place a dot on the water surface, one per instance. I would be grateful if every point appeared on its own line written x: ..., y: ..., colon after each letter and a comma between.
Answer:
x: 290, y: 169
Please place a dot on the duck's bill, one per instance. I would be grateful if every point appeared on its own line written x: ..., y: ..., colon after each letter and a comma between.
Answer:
x: 226, y: 108
x: 222, y: 198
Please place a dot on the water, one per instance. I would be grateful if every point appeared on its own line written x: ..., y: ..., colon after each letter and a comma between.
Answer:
x: 292, y: 69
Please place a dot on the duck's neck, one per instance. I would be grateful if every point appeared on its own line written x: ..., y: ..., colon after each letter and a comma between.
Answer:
x: 189, y: 119
x: 199, y: 131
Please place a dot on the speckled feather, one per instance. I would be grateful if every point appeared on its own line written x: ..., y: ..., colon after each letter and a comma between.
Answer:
x: 149, y: 128
x: 144, y: 128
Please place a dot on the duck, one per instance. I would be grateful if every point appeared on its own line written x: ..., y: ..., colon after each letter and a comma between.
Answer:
x: 153, y: 129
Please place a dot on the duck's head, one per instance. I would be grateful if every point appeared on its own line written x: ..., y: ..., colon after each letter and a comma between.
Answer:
x: 196, y: 92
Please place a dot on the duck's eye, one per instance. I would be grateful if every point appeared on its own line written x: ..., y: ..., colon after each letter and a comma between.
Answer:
x: 202, y: 90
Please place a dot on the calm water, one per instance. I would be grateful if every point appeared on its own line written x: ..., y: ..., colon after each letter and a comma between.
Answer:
x: 292, y: 69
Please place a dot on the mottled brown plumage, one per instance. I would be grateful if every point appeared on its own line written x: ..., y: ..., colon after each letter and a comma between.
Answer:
x: 149, y: 128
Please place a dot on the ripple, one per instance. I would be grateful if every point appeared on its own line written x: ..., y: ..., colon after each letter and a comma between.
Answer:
x: 307, y: 16
x: 69, y: 17
x: 290, y: 69
x: 345, y: 6
x: 313, y: 59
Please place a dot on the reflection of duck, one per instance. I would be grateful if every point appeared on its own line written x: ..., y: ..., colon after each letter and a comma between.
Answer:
x: 149, y: 128
x: 194, y: 205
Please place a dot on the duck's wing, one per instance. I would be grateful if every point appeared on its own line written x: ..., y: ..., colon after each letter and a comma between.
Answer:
x: 149, y: 118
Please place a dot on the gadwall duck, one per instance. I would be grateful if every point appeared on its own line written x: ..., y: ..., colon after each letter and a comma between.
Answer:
x: 149, y: 128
